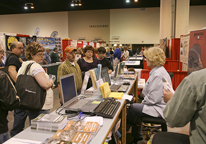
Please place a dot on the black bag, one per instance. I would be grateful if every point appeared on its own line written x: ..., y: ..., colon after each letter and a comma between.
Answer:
x: 8, y: 94
x: 31, y: 94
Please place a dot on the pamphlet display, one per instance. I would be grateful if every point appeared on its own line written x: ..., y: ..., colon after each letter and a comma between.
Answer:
x: 184, y: 48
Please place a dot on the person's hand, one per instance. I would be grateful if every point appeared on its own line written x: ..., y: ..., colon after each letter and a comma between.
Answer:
x: 52, y: 83
x: 109, y: 71
x: 167, y: 95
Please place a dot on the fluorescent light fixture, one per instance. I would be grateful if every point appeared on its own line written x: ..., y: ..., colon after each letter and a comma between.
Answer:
x: 127, y: 1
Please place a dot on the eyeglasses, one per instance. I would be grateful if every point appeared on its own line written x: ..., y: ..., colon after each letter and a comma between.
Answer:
x: 20, y: 48
x: 40, y: 55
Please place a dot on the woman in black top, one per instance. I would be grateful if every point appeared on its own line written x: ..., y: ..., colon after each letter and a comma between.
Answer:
x: 105, y: 62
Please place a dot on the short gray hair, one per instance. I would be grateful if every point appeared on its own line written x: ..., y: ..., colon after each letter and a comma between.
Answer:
x: 13, y: 45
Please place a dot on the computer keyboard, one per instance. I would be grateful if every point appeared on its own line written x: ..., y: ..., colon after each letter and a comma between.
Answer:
x: 107, y: 108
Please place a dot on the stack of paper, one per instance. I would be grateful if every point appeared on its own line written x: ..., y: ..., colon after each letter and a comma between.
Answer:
x: 49, y: 122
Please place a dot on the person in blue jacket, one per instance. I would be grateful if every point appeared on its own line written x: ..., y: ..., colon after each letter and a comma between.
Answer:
x: 117, y: 56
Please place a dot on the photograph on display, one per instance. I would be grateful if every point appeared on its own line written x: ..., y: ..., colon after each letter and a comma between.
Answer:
x: 197, y: 50
x: 58, y: 43
x: 184, y: 48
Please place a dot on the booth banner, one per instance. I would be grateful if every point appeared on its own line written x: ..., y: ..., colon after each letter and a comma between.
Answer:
x: 46, y: 42
x: 163, y: 44
x: 74, y: 43
x: 184, y: 48
x: 197, y: 51
x: 84, y: 44
x: 79, y: 43
x: 97, y: 45
x: 92, y: 44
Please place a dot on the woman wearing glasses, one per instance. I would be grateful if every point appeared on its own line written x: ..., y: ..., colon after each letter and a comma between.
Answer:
x: 34, y: 53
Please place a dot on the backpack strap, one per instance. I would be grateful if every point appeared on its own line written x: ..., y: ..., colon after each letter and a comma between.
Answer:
x: 27, y: 68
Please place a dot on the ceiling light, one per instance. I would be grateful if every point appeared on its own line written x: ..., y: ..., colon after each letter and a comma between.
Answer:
x: 135, y: 0
x: 76, y: 3
x: 127, y: 1
x: 28, y: 5
x: 25, y: 7
x: 32, y: 7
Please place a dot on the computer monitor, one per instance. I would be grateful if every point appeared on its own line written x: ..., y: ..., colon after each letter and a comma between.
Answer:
x: 105, y: 75
x: 68, y: 87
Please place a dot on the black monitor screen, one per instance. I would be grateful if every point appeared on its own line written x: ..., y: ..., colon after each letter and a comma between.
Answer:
x: 105, y: 75
x: 68, y: 87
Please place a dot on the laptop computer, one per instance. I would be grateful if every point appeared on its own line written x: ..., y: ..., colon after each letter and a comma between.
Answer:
x: 71, y: 101
x: 114, y: 87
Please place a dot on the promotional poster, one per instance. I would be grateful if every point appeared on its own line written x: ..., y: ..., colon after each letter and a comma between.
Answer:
x: 197, y: 50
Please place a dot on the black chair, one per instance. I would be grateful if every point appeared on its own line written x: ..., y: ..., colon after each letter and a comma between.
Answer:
x: 170, y: 138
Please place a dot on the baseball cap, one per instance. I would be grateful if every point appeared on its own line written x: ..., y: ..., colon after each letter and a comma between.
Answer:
x: 69, y: 49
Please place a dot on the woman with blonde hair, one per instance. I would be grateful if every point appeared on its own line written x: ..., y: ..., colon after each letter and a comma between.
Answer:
x: 34, y: 54
x: 153, y: 103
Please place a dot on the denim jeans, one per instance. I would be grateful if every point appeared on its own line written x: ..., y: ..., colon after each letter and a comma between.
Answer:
x: 20, y: 118
x: 4, y: 137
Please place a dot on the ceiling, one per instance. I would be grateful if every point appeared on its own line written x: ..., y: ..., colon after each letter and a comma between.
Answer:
x: 16, y: 6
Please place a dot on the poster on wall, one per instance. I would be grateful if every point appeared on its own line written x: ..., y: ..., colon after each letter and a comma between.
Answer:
x: 74, y: 43
x: 46, y: 42
x: 184, y: 48
x: 92, y: 44
x: 197, y: 50
x: 163, y: 44
x: 84, y: 44
x: 9, y: 40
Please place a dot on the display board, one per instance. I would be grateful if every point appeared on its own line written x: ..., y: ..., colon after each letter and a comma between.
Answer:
x: 197, y: 50
x: 184, y: 48
x: 46, y: 42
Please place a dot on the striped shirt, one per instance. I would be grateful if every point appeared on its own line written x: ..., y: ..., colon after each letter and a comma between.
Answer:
x: 67, y: 68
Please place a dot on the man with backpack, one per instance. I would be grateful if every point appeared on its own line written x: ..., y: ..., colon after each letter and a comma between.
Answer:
x: 13, y: 64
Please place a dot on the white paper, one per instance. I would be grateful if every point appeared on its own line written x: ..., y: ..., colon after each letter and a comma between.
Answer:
x: 132, y: 62
x: 128, y: 97
x: 166, y: 85
x: 21, y: 141
x: 98, y: 119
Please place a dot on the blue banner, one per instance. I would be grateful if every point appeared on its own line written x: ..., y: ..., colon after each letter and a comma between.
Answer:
x: 46, y: 42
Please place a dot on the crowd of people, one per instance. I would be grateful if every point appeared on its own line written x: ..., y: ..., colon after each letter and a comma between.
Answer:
x: 187, y: 104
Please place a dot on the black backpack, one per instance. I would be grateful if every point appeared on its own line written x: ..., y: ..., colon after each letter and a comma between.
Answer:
x: 8, y: 94
x: 32, y: 95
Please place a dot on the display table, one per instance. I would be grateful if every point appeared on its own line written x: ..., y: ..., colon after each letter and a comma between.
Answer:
x: 104, y: 130
x: 52, y: 69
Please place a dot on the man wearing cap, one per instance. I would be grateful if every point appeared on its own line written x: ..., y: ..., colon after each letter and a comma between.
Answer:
x: 54, y: 56
x: 47, y: 59
x: 70, y: 66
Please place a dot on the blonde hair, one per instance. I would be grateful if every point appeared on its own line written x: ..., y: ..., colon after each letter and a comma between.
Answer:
x: 156, y: 55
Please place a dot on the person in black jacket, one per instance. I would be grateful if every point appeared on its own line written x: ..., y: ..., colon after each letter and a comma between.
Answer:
x: 105, y: 62
x: 13, y: 65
